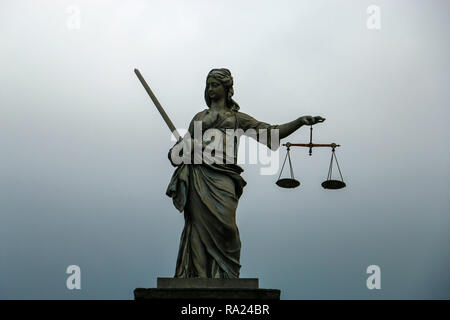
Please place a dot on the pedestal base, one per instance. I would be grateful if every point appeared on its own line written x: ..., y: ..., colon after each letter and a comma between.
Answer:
x: 204, y: 288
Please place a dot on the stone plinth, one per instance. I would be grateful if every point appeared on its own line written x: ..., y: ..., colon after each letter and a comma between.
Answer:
x: 205, y: 288
x: 172, y: 283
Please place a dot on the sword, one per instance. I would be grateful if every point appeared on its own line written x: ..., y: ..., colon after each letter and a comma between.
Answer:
x: 158, y: 106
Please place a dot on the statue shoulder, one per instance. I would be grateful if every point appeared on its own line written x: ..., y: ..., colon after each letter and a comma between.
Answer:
x: 198, y: 117
x: 200, y: 114
x: 244, y: 118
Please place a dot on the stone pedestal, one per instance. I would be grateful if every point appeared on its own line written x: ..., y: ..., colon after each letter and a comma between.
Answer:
x: 205, y: 288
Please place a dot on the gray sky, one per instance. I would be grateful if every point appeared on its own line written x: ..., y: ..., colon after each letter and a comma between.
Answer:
x: 84, y: 164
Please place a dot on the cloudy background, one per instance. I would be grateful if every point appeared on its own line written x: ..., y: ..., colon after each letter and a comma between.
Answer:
x: 84, y: 169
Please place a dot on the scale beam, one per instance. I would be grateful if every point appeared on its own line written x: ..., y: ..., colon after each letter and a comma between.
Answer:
x: 311, y: 145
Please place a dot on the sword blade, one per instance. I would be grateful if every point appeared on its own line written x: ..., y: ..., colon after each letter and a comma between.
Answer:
x: 158, y: 105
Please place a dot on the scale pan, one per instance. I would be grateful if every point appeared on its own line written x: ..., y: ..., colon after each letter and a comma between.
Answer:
x: 288, y: 183
x: 333, y: 184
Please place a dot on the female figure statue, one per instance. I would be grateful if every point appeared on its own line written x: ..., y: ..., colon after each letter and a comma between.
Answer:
x: 209, y: 192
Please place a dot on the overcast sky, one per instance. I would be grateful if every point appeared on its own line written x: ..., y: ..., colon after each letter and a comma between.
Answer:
x: 84, y: 168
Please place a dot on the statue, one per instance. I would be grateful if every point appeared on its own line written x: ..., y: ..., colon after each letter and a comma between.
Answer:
x: 209, y: 193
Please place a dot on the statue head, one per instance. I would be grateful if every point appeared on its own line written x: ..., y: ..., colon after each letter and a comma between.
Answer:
x: 223, y: 76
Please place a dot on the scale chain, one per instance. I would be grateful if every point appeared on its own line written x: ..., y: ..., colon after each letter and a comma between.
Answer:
x: 290, y: 166
x: 284, y: 162
x: 342, y: 179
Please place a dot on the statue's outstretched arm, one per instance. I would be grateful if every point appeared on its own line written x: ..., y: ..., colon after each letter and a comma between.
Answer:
x: 290, y: 127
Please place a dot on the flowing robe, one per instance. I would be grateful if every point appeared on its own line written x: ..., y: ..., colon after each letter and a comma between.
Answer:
x: 209, y: 193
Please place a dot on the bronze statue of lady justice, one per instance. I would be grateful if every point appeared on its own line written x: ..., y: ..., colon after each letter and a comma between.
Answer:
x: 209, y: 193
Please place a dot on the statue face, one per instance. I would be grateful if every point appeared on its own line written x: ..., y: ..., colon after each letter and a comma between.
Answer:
x: 215, y: 89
